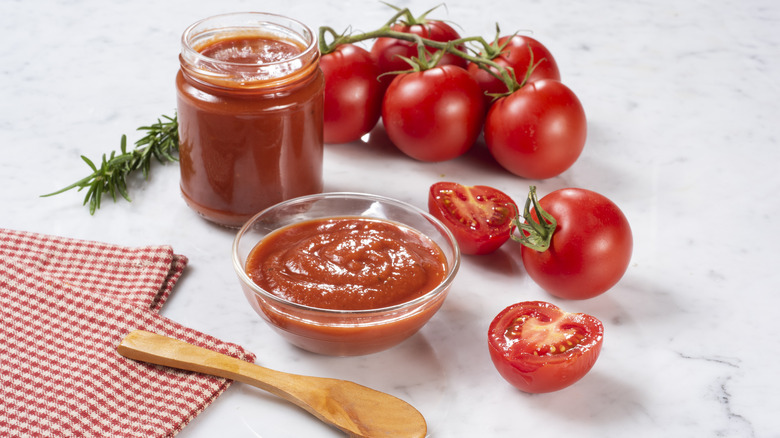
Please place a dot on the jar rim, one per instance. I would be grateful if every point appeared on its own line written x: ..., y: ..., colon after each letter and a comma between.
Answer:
x: 216, y: 27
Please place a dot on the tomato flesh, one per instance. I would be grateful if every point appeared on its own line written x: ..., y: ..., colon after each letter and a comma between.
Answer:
x: 537, y: 347
x: 542, y: 336
x: 480, y: 217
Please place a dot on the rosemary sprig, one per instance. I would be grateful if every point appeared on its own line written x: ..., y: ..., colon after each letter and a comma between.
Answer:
x: 161, y: 142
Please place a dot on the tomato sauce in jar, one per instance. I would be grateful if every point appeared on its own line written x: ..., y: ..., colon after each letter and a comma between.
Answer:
x: 347, y: 263
x: 249, y: 99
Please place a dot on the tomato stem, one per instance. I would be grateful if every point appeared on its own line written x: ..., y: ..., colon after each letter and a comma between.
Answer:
x: 409, y: 18
x: 484, y: 60
x: 535, y: 233
x: 399, y: 13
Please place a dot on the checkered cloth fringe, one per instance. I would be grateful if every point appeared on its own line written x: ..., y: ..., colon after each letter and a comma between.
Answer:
x: 65, y: 304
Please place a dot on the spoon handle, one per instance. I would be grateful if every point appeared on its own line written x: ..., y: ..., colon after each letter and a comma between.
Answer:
x: 355, y: 409
x: 162, y: 350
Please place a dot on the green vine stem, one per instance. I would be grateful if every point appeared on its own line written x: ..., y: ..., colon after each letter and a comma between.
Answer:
x: 535, y: 233
x: 485, y: 62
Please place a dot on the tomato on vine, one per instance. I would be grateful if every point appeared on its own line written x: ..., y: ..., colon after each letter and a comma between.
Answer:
x: 577, y: 243
x: 538, y: 131
x: 537, y: 347
x: 480, y: 217
x: 352, y: 96
x: 520, y: 53
x: 389, y: 53
x: 434, y: 114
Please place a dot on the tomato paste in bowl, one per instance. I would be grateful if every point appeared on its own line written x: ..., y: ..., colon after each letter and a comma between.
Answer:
x: 345, y: 273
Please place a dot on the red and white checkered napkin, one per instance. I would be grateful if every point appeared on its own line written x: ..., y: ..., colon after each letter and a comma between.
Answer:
x: 65, y: 305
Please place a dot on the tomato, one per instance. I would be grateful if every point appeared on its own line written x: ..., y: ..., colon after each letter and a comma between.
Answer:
x: 537, y: 347
x: 480, y: 217
x: 538, y: 131
x: 353, y: 95
x: 435, y: 114
x: 590, y: 247
x: 389, y: 52
x: 514, y: 53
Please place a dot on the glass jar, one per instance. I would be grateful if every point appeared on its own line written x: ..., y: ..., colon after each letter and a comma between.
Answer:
x: 249, y: 98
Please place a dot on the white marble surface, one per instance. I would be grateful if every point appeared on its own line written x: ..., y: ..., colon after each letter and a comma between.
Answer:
x: 683, y: 102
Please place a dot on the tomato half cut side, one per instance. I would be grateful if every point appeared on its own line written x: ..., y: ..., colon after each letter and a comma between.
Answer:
x: 538, y: 348
x: 480, y: 217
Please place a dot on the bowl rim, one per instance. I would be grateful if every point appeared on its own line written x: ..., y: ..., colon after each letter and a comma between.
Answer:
x: 441, y: 288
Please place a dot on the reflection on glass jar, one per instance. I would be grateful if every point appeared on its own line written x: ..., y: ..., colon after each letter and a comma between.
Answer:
x: 249, y: 94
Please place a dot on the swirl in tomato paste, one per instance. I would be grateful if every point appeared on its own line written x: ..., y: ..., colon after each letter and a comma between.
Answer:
x: 347, y: 263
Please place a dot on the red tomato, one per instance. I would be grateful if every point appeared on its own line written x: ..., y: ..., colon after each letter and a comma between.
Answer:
x: 516, y: 55
x: 435, y: 114
x: 537, y: 347
x: 388, y: 52
x: 480, y: 217
x: 538, y: 131
x: 353, y: 95
x: 590, y: 249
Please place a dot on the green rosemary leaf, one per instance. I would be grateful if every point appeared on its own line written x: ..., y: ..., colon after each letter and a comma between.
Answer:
x: 161, y: 142
x: 89, y: 162
x: 121, y: 186
x: 88, y: 196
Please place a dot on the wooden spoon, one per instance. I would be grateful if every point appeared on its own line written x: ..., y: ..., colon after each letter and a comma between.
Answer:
x: 355, y: 409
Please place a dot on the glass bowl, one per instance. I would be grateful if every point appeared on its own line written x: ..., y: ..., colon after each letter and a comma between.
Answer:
x: 339, y: 332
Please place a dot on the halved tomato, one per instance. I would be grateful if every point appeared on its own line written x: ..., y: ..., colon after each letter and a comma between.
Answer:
x: 480, y: 217
x: 537, y: 347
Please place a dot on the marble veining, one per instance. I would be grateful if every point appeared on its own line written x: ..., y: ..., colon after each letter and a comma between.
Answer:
x: 683, y: 103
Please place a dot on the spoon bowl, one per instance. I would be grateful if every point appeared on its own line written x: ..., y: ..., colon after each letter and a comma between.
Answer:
x: 355, y: 409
